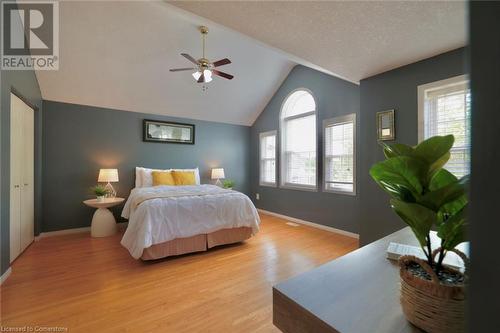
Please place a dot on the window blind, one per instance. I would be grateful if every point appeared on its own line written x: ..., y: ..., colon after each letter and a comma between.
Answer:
x: 447, y: 111
x: 339, y: 156
x: 298, y: 141
x: 268, y: 158
x: 300, y: 151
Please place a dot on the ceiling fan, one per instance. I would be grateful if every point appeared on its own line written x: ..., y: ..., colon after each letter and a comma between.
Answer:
x: 204, y: 68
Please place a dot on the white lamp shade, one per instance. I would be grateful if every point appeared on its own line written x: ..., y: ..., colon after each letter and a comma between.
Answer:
x: 217, y: 173
x: 108, y: 175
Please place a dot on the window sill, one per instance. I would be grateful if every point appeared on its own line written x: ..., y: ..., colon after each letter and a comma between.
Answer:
x: 299, y: 188
x: 268, y: 185
x: 352, y: 194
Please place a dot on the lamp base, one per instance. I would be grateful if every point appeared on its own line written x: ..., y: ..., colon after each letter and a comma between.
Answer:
x: 218, y: 183
x: 111, y: 193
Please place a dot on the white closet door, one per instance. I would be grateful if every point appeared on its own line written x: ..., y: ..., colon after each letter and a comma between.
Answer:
x: 28, y: 177
x: 16, y: 155
x: 22, y: 150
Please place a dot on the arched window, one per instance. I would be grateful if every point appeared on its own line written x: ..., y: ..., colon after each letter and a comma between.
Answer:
x: 298, y: 140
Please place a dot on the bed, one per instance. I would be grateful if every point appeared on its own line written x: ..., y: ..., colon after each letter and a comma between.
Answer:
x: 172, y: 220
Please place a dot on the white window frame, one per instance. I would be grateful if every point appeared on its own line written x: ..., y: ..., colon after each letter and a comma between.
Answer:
x: 263, y: 135
x: 283, y: 183
x: 422, y: 89
x: 333, y: 121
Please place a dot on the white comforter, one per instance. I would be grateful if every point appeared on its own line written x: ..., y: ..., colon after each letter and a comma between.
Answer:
x: 162, y: 213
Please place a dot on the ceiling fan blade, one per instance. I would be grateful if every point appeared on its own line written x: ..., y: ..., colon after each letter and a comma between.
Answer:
x: 188, y: 57
x: 222, y: 62
x: 182, y: 69
x: 222, y: 74
x: 201, y: 79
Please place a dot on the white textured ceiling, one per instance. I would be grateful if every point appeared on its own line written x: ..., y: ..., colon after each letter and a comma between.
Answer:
x: 352, y: 39
x: 117, y: 55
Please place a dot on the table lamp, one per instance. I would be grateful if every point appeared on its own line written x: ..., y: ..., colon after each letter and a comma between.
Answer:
x: 108, y: 176
x: 218, y: 173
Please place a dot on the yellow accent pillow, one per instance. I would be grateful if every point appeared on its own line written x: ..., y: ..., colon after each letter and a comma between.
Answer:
x: 163, y: 178
x: 184, y: 177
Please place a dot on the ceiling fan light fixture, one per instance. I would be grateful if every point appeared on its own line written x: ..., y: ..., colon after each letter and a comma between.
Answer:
x: 205, y: 69
x: 208, y: 75
x: 196, y: 75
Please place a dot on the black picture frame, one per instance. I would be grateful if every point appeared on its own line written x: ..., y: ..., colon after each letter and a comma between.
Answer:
x: 148, y: 137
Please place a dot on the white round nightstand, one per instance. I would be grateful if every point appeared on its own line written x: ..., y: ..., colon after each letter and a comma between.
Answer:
x: 103, y: 221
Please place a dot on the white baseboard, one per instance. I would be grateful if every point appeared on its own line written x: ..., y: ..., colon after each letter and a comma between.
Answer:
x: 71, y: 231
x: 5, y: 275
x: 311, y: 224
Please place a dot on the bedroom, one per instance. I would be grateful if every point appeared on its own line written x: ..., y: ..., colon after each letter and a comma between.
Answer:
x: 221, y: 182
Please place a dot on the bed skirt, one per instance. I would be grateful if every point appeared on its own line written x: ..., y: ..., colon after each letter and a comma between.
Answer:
x: 196, y: 243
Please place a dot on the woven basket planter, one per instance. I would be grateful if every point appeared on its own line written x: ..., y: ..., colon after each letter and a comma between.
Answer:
x: 428, y: 304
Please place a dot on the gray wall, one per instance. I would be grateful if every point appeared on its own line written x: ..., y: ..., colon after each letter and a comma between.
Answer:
x: 484, y: 291
x: 78, y: 140
x: 334, y: 97
x: 395, y: 89
x: 26, y: 84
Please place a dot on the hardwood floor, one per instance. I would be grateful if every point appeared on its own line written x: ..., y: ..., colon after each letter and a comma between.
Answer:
x: 93, y: 285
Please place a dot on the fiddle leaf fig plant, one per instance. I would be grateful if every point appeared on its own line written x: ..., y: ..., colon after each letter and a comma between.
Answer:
x: 424, y: 194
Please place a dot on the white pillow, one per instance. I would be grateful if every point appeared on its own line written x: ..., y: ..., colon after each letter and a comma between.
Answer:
x: 145, y: 175
x: 138, y: 177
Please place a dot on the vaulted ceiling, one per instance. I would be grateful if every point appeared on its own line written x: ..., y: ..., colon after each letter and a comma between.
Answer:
x: 117, y: 54
x: 353, y: 39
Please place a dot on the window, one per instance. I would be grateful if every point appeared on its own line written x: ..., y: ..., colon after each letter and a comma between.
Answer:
x: 298, y: 141
x: 444, y: 108
x: 268, y: 158
x: 340, y: 152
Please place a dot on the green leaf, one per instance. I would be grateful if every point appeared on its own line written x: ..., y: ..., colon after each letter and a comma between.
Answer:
x: 451, y: 208
x: 435, y: 152
x: 441, y: 178
x: 453, y: 230
x: 448, y: 193
x: 400, y: 177
x: 434, y: 149
x: 438, y: 165
x: 419, y: 218
x: 396, y: 149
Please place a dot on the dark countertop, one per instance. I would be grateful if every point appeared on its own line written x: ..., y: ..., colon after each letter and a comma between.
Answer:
x: 356, y: 293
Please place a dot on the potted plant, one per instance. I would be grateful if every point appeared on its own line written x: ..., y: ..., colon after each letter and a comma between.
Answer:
x: 228, y: 184
x: 100, y: 192
x: 426, y: 196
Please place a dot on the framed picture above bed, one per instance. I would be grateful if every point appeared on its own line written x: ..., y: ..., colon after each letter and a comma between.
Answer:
x: 168, y: 132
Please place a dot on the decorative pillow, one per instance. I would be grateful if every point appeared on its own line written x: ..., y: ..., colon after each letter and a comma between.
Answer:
x: 196, y: 174
x: 184, y: 177
x: 144, y: 177
x: 147, y: 176
x: 162, y: 178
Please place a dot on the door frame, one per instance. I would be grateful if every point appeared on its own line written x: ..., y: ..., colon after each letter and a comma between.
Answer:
x: 24, y: 99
